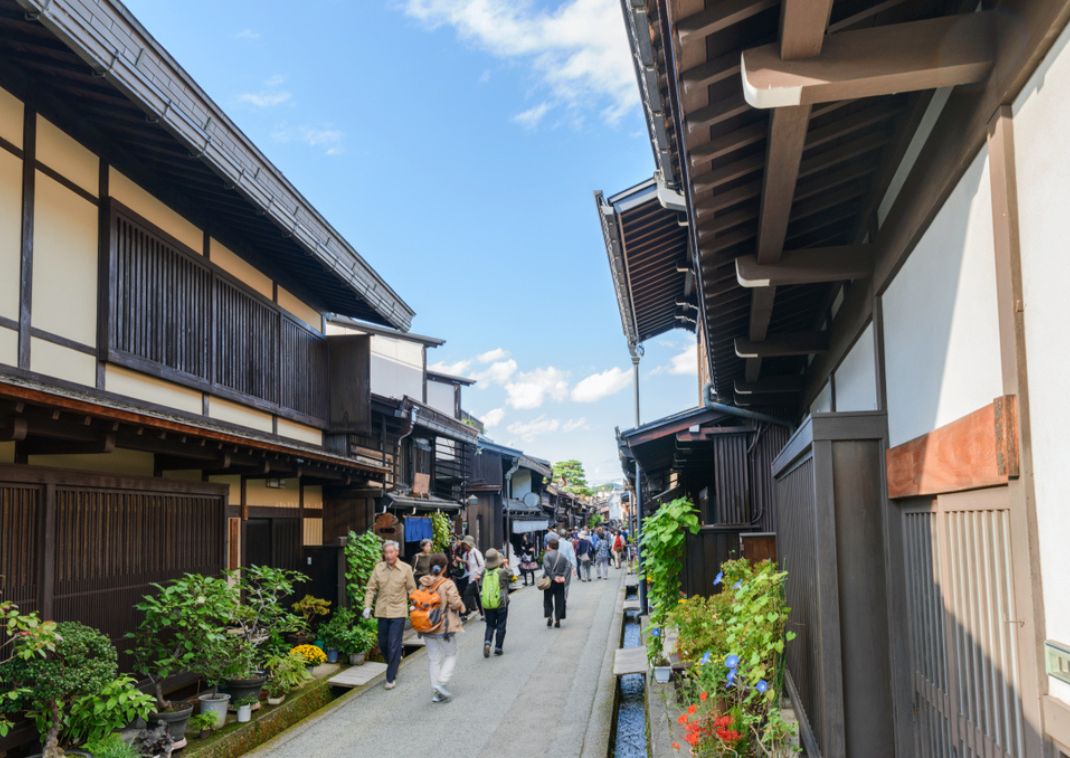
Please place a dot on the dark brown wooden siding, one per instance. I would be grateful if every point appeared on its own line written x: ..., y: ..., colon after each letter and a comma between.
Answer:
x: 81, y: 547
x: 173, y: 314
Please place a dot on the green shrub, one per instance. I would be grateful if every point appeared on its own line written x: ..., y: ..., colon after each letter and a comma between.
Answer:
x: 82, y: 663
x: 23, y: 636
x: 200, y: 724
x: 285, y: 673
x: 116, y: 705
x: 362, y: 553
x: 112, y: 746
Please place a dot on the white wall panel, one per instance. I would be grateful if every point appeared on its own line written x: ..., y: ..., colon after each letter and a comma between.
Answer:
x: 440, y: 396
x: 856, y: 377
x: 10, y: 232
x: 1042, y: 157
x: 941, y: 332
x: 823, y: 402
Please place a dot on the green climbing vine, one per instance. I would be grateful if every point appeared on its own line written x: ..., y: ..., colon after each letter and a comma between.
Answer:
x: 362, y: 553
x: 440, y: 532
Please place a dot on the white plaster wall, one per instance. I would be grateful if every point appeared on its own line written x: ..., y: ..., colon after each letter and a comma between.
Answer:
x: 62, y: 362
x: 823, y: 402
x: 440, y: 396
x: 941, y: 332
x: 856, y: 377
x: 300, y: 310
x: 64, y: 262
x: 145, y: 205
x: 64, y: 154
x: 9, y: 346
x: 123, y: 381
x: 10, y: 118
x: 397, y: 367
x: 1041, y: 113
x: 238, y: 267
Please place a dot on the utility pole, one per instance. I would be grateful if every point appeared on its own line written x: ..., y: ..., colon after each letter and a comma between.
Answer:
x: 637, y: 352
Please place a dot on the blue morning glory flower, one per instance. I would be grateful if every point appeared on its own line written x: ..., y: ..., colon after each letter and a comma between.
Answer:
x: 737, y: 585
x: 718, y: 579
x: 762, y: 686
x: 731, y: 661
x: 705, y: 657
x: 731, y: 678
x: 655, y: 632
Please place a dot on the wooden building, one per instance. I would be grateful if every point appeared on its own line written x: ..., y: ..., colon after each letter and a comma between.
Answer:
x: 857, y: 208
x: 166, y: 393
x: 508, y: 486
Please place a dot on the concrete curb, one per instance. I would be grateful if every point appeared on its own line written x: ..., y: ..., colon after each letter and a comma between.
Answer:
x: 596, y: 738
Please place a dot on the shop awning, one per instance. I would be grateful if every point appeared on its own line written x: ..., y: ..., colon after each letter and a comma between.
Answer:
x: 426, y: 504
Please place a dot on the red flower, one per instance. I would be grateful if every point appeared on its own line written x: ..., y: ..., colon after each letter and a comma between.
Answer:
x: 676, y: 746
x: 723, y: 722
x: 703, y: 695
x: 691, y: 709
x: 693, y: 739
x: 683, y: 718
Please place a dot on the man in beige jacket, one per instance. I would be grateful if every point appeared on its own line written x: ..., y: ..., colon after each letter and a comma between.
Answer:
x: 389, y: 587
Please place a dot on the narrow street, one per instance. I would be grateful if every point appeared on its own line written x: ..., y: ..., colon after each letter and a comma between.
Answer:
x: 540, y: 697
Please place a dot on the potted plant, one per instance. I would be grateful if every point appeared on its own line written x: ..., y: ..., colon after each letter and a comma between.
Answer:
x: 201, y: 724
x: 211, y: 666
x: 310, y: 654
x: 242, y: 674
x: 155, y: 742
x: 359, y: 640
x: 182, y: 619
x: 261, y: 618
x: 334, y: 632
x: 310, y: 608
x: 245, y: 707
x: 71, y: 691
x: 285, y: 673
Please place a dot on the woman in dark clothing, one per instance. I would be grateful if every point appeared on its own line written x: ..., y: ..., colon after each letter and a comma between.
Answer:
x: 458, y: 571
x: 421, y: 564
x: 556, y: 566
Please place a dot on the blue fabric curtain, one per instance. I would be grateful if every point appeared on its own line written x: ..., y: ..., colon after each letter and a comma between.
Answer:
x: 417, y: 528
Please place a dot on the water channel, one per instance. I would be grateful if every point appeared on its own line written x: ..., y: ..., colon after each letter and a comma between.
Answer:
x: 630, y: 733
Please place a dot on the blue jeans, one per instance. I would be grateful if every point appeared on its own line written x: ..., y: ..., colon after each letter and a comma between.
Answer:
x: 390, y: 632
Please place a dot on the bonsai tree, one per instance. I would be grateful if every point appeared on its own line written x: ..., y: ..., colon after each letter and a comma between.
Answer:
x: 262, y: 616
x: 115, y: 705
x: 81, y: 663
x: 201, y: 723
x: 183, y: 620
x: 310, y: 608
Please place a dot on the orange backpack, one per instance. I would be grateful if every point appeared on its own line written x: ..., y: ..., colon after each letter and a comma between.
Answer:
x: 429, y: 614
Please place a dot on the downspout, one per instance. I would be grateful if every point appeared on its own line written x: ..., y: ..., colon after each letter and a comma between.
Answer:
x: 413, y: 410
x: 507, y: 489
x: 637, y: 353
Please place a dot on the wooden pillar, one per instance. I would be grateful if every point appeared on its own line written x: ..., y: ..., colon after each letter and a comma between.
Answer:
x: 29, y: 167
x: 1011, y: 312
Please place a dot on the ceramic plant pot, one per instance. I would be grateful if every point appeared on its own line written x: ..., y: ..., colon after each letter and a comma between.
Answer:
x: 276, y: 700
x: 176, y: 722
x: 245, y: 713
x: 356, y: 659
x: 662, y: 674
x: 215, y: 704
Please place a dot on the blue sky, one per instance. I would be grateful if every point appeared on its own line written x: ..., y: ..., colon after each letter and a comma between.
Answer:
x: 456, y: 144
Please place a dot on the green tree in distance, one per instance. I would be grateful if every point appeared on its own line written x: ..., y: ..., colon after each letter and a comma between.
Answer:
x: 570, y: 476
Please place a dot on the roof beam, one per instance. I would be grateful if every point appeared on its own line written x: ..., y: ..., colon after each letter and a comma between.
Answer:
x: 802, y: 34
x: 809, y: 266
x: 770, y: 385
x: 783, y: 345
x: 718, y: 17
x: 917, y: 55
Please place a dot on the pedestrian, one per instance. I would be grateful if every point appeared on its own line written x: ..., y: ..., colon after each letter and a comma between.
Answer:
x: 601, y: 557
x: 494, y: 597
x: 475, y: 564
x: 555, y: 568
x: 585, y: 555
x: 389, y: 587
x: 565, y: 546
x: 618, y: 548
x: 443, y: 624
x: 458, y: 571
x: 421, y: 565
x: 528, y: 564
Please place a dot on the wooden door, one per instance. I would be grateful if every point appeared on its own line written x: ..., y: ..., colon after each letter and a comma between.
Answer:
x: 959, y: 584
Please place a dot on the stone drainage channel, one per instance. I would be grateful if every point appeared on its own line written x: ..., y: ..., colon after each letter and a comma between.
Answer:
x: 629, y: 714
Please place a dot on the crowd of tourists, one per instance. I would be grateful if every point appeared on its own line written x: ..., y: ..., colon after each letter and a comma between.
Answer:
x: 440, y: 591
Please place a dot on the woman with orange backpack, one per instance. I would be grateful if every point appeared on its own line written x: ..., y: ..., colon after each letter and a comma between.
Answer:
x: 436, y: 605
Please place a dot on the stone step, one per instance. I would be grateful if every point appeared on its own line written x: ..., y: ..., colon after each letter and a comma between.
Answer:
x: 357, y: 676
x: 629, y: 660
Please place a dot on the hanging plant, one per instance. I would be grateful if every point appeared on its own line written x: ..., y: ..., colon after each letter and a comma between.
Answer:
x: 441, y: 531
x: 664, y: 535
x: 362, y: 553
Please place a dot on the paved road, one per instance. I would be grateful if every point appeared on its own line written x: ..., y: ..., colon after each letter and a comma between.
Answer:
x: 538, y: 698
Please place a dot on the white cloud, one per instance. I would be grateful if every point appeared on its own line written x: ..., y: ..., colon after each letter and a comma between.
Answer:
x: 531, y: 388
x: 530, y: 118
x: 457, y: 368
x: 684, y: 363
x: 247, y: 34
x: 265, y: 99
x: 578, y: 51
x: 275, y: 80
x: 493, y: 417
x: 536, y: 427
x: 499, y: 372
x: 575, y: 425
x: 490, y: 356
x: 327, y: 137
x: 593, y: 388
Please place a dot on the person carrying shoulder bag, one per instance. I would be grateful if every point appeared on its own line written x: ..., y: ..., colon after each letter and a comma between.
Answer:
x: 555, y: 569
